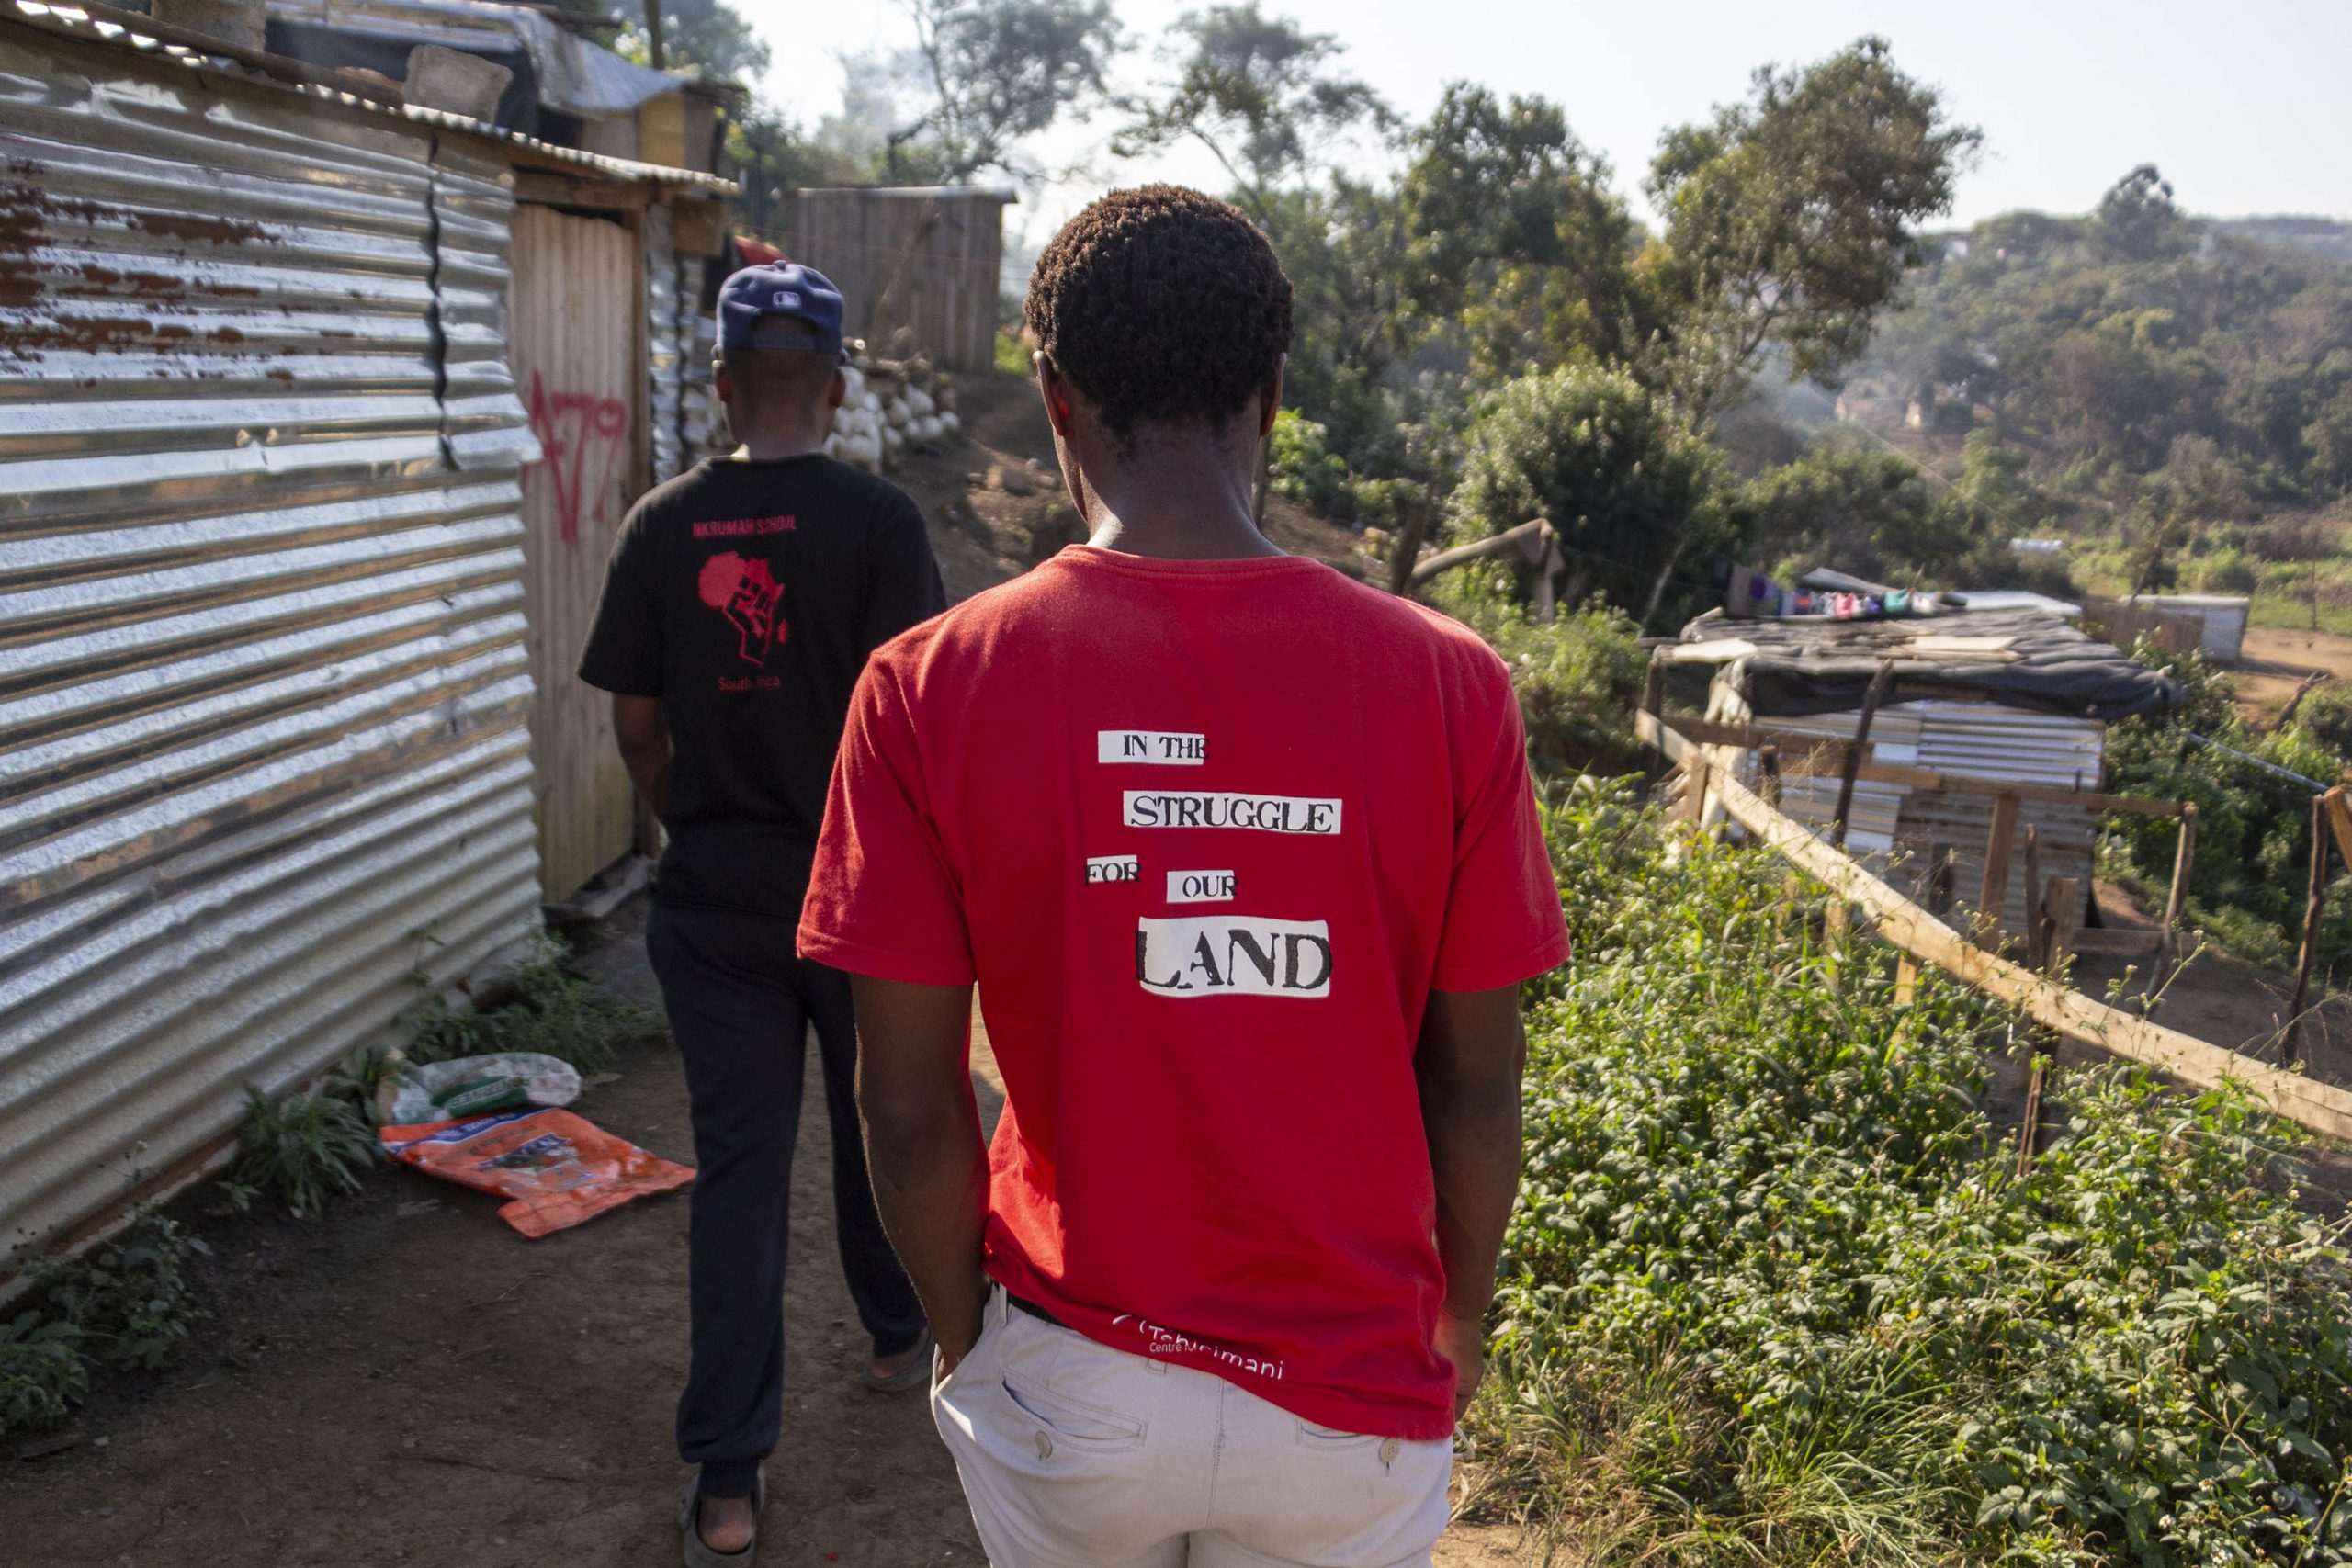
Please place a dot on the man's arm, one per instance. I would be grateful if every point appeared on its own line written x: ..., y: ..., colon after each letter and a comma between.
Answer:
x: 1473, y: 1050
x: 642, y: 731
x: 902, y: 584
x: 923, y: 1148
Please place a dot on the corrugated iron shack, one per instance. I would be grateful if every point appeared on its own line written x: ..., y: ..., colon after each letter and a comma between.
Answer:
x: 918, y: 265
x: 2004, y: 697
x: 313, y: 410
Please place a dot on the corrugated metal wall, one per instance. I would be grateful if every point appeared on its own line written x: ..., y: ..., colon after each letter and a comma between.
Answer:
x: 264, y: 771
x: 578, y: 349
x: 924, y: 261
x: 664, y: 353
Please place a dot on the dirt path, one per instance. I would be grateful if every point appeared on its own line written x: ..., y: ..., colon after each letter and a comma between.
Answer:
x: 407, y: 1380
x: 2276, y: 660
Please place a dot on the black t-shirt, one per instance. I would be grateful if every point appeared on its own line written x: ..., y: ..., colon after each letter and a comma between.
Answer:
x: 746, y: 596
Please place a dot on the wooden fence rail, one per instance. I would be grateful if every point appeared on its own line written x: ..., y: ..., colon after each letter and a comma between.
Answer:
x: 1897, y: 921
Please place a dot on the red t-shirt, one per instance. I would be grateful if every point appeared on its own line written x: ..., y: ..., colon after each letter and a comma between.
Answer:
x: 1207, y: 834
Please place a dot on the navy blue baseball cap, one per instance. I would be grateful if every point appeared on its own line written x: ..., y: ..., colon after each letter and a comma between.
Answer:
x: 755, y: 304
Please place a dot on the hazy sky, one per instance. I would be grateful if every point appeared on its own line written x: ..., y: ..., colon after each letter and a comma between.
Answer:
x: 2246, y: 107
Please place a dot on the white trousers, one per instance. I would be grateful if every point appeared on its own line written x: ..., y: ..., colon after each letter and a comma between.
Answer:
x: 1074, y: 1455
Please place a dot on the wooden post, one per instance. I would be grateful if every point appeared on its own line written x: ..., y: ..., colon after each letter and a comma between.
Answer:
x: 1694, y: 788
x: 1993, y: 896
x: 2290, y: 1045
x: 2036, y: 919
x: 1768, y: 768
x: 2062, y: 906
x: 2029, y: 1134
x: 1653, y: 705
x: 1906, y: 980
x: 2183, y: 863
x: 1871, y: 699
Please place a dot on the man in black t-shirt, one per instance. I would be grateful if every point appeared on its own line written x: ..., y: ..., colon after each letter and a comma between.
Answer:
x: 740, y: 606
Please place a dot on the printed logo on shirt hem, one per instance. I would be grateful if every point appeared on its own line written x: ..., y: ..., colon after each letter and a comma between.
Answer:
x: 1159, y: 1342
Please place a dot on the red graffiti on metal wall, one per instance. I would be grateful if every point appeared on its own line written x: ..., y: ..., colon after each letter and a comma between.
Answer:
x: 580, y: 440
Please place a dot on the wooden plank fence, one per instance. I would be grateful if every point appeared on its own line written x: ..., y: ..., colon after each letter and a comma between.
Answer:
x: 1904, y: 925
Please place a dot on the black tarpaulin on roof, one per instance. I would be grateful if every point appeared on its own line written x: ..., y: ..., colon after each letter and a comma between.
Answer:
x: 2024, y: 659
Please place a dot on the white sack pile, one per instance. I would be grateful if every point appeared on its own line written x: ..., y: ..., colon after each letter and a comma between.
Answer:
x: 892, y: 404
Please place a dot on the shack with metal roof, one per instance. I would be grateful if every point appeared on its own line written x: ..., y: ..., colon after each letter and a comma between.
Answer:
x: 317, y: 414
x: 1967, y: 697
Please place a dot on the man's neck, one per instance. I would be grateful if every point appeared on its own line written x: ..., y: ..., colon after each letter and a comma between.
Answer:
x: 1178, y: 501
x: 780, y: 433
x: 766, y: 445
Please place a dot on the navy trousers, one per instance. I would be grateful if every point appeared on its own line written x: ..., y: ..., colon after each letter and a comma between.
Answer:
x: 741, y: 1003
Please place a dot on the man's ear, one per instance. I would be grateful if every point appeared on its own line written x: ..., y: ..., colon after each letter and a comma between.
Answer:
x: 722, y: 386
x: 1056, y: 391
x: 1270, y: 400
x: 838, y: 393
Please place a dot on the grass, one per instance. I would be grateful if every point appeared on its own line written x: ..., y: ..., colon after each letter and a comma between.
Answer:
x: 1776, y: 1294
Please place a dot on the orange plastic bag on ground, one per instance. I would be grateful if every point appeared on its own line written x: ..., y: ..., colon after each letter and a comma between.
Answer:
x: 557, y: 1169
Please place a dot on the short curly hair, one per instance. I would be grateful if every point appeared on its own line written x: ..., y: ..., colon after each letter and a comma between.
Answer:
x: 1163, y: 307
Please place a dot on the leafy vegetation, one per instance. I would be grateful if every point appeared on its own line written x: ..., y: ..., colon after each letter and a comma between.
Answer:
x: 302, y: 1150
x: 550, y: 1010
x: 1775, y: 1292
x: 127, y: 1303
x: 2254, y: 828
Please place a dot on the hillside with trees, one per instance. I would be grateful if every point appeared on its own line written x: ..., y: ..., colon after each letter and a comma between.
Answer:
x: 2175, y: 394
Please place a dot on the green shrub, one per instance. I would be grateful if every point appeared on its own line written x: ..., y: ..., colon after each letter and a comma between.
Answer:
x: 551, y: 1010
x: 2253, y: 827
x: 1579, y: 679
x: 1302, y: 465
x: 1775, y: 1294
x: 302, y: 1150
x: 1638, y: 499
x: 129, y: 1298
x: 126, y: 1302
x: 2222, y: 572
x: 42, y: 1372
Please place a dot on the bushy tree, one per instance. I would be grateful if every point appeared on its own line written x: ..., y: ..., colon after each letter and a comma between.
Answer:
x: 1789, y: 219
x: 1615, y: 467
x: 1874, y: 514
x: 1515, y: 241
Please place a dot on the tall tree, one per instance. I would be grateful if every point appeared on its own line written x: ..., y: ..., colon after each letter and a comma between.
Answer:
x: 709, y: 35
x: 998, y: 72
x: 1262, y: 94
x: 1515, y: 235
x: 2137, y: 219
x: 1789, y: 219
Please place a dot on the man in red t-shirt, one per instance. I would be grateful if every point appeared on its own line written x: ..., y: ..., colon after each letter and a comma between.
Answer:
x: 1244, y: 858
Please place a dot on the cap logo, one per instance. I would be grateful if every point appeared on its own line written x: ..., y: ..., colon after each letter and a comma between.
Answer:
x: 787, y: 299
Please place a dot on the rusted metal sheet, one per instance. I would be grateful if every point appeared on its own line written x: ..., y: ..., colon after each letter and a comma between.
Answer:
x: 574, y: 283
x: 264, y: 773
x: 917, y: 267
